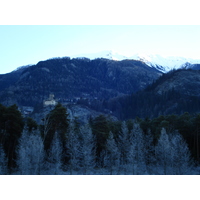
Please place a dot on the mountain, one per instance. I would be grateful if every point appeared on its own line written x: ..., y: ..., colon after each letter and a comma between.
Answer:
x: 166, y: 64
x: 9, y: 79
x: 161, y: 63
x: 124, y: 88
x: 76, y: 78
x: 186, y: 82
x: 175, y: 92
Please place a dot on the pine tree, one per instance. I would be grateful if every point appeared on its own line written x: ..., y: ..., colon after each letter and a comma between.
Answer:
x: 74, y: 149
x: 56, y: 121
x: 112, y: 156
x: 149, y: 152
x: 181, y: 156
x: 88, y: 149
x: 13, y: 127
x: 136, y: 155
x: 100, y: 128
x: 54, y: 163
x: 163, y: 152
x: 124, y: 146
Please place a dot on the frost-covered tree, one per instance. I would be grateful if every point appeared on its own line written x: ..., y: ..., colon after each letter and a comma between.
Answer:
x: 172, y: 154
x: 136, y: 155
x: 163, y: 152
x: 23, y: 160
x: 3, y: 162
x: 74, y: 149
x: 88, y: 149
x: 149, y: 152
x: 54, y: 163
x: 30, y: 153
x: 37, y: 155
x: 123, y: 145
x: 181, y: 157
x: 112, y: 155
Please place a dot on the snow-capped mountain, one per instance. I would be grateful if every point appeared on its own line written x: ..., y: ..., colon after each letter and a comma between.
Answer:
x: 112, y: 55
x: 163, y: 64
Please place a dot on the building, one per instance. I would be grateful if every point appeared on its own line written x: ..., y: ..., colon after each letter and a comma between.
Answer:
x: 50, y: 101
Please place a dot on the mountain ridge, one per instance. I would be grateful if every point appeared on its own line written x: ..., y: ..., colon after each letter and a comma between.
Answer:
x: 161, y: 63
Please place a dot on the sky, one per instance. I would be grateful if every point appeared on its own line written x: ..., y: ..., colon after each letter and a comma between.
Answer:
x: 28, y: 44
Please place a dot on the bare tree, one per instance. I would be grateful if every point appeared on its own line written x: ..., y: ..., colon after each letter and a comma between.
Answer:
x: 30, y: 153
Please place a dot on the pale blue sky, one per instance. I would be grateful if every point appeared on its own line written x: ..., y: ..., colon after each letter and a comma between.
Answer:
x: 23, y: 45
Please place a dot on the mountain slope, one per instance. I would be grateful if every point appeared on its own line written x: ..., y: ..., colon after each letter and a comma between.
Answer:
x: 175, y: 92
x: 71, y: 78
x: 186, y: 82
x: 165, y: 64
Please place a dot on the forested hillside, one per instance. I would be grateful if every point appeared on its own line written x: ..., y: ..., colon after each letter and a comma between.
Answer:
x: 71, y: 78
x: 173, y: 93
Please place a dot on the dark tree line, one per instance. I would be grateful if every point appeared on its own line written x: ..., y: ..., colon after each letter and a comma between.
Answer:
x: 11, y: 126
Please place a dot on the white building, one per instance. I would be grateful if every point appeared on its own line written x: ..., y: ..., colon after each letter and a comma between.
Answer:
x: 50, y: 101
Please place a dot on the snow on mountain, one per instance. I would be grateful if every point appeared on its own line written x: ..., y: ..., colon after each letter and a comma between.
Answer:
x: 163, y: 64
x: 112, y: 55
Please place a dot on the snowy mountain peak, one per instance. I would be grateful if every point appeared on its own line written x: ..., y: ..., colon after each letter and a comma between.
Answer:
x: 112, y: 55
x: 166, y: 64
x: 162, y: 63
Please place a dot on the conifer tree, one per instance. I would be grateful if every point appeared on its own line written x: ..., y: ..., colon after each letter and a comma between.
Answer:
x: 3, y: 162
x: 123, y: 145
x: 74, y: 149
x: 149, y: 152
x: 182, y: 162
x: 54, y: 163
x: 136, y: 154
x: 88, y: 149
x: 13, y: 127
x: 112, y: 156
x: 56, y: 121
x: 100, y: 128
x: 163, y: 153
